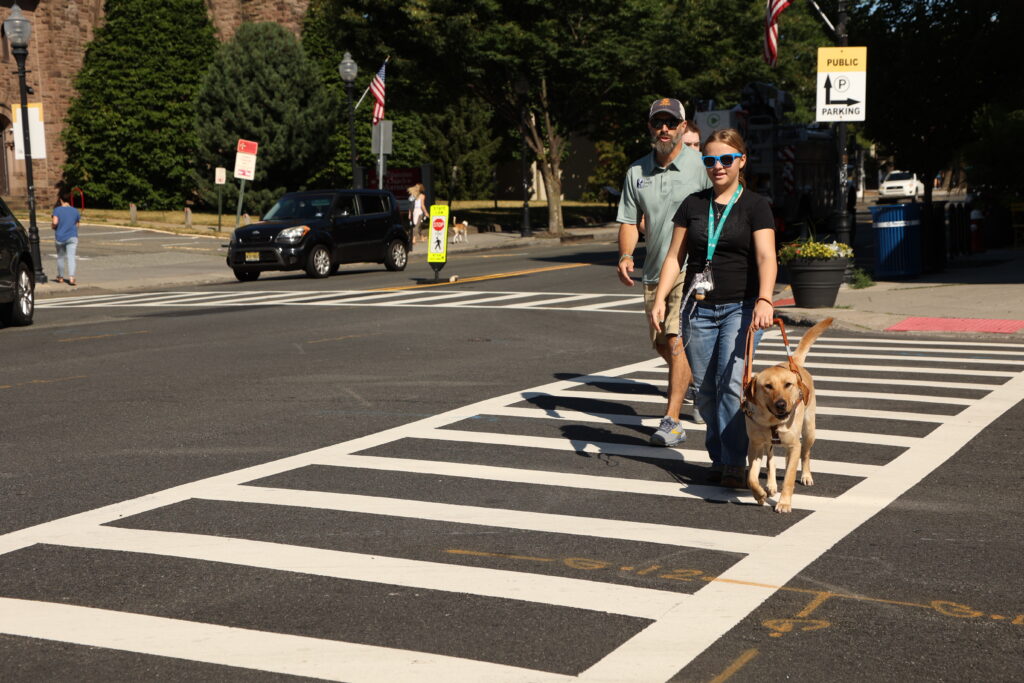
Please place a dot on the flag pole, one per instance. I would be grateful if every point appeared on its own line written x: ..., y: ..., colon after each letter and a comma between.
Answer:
x: 363, y: 96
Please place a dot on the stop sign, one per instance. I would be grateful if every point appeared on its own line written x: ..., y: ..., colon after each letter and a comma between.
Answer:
x: 439, y: 223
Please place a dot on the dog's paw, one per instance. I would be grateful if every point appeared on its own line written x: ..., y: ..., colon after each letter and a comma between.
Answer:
x: 760, y: 498
x: 807, y: 479
x: 782, y: 507
x: 773, y: 488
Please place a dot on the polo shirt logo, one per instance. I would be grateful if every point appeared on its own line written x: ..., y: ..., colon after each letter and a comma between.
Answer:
x: 641, y: 183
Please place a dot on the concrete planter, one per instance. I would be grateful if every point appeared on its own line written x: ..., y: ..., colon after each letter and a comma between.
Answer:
x: 815, y: 283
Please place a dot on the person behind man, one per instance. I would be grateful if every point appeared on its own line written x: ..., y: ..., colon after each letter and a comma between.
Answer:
x: 654, y: 187
x: 65, y: 237
x: 691, y: 136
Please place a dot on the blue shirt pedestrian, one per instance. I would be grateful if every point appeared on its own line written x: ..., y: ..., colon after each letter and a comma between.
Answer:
x: 66, y: 219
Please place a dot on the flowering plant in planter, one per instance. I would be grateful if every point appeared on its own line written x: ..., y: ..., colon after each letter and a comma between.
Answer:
x: 813, y: 250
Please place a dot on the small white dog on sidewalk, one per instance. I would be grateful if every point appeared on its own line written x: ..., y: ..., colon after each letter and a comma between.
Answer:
x: 460, y: 232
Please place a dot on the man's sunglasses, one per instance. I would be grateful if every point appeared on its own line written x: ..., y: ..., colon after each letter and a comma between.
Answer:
x: 725, y: 159
x: 672, y: 124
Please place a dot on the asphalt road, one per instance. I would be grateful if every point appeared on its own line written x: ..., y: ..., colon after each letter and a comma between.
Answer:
x: 340, y: 479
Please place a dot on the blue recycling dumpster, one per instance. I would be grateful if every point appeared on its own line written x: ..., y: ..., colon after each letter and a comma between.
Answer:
x: 897, y: 240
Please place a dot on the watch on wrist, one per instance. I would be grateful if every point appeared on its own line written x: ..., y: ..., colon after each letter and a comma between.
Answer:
x: 624, y: 257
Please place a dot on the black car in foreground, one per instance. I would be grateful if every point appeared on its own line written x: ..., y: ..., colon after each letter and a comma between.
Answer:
x: 318, y: 230
x: 17, y: 279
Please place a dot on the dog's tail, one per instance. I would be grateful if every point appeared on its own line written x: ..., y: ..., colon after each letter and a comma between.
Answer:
x: 808, y: 339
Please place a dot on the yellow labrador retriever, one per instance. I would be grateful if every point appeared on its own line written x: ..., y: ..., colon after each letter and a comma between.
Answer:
x: 779, y: 403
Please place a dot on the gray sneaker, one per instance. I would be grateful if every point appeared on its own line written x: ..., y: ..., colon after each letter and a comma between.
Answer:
x: 670, y: 433
x: 696, y: 416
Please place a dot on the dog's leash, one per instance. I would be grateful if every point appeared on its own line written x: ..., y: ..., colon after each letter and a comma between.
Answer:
x: 748, y: 364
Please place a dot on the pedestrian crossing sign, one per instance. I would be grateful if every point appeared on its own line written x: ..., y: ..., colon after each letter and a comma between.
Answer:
x: 437, y: 239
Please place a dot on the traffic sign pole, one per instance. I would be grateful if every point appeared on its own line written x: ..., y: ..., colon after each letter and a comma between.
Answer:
x: 238, y: 211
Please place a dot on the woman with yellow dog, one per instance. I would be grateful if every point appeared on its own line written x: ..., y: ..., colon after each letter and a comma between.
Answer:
x: 729, y: 235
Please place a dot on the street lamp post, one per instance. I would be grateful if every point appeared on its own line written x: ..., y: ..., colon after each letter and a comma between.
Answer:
x: 18, y: 30
x: 841, y: 222
x: 348, y: 70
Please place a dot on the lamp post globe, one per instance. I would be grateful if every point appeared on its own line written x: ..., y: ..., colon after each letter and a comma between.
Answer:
x: 348, y: 70
x: 18, y: 30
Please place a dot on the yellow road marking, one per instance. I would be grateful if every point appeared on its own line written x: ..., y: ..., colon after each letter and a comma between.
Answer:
x: 42, y: 381
x: 736, y: 665
x: 478, y: 553
x: 347, y: 336
x: 102, y: 336
x: 480, y: 278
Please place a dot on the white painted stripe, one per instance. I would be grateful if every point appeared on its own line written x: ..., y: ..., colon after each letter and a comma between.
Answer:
x: 90, y: 233
x: 652, y: 421
x: 822, y: 410
x: 490, y: 299
x: 904, y: 382
x: 452, y: 578
x: 360, y: 298
x: 914, y: 398
x: 558, y: 300
x: 925, y: 348
x: 245, y: 648
x: 881, y: 341
x: 546, y: 478
x: 905, y: 358
x: 707, y: 539
x: 658, y: 652
x: 632, y: 300
x: 900, y: 369
x: 848, y: 469
x: 418, y: 298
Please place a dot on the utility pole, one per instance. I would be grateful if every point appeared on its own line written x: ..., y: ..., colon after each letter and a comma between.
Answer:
x: 840, y: 218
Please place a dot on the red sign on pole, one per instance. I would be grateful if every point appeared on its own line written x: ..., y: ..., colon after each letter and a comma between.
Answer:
x: 247, y: 146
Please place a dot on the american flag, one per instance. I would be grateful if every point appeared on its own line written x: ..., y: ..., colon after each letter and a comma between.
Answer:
x: 771, y: 30
x: 377, y: 88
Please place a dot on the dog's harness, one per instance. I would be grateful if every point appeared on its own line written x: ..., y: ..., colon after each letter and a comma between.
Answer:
x: 748, y: 374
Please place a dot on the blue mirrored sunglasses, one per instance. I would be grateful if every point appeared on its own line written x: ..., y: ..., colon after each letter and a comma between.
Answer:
x: 725, y: 159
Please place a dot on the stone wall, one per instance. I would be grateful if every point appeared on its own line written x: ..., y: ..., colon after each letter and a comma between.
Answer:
x: 60, y: 31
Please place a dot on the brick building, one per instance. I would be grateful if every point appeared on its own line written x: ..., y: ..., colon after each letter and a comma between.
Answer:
x: 60, y: 31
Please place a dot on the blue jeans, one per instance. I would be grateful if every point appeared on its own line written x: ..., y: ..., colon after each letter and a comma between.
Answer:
x: 716, y: 338
x: 66, y: 250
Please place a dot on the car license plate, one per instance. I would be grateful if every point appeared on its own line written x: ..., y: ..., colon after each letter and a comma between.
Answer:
x: 252, y: 256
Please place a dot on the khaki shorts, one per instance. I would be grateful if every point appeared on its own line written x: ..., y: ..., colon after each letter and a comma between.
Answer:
x: 674, y: 299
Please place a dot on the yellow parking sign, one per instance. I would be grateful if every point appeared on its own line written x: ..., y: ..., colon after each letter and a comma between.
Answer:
x: 437, y: 239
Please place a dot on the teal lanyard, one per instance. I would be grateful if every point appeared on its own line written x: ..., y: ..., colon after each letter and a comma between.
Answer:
x: 715, y: 232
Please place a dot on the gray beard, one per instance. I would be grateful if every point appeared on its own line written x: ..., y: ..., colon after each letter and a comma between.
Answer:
x: 663, y: 148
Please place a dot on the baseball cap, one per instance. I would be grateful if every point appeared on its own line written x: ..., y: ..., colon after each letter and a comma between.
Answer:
x: 669, y: 106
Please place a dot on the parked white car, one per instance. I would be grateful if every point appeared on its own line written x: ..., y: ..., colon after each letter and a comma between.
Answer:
x: 900, y: 185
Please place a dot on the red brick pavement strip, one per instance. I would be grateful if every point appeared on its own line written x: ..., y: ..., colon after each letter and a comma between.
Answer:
x: 957, y: 325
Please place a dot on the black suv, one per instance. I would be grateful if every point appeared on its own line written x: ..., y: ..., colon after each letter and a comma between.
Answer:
x: 17, y: 280
x: 318, y: 230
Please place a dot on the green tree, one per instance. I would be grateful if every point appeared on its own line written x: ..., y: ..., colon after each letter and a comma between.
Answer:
x: 262, y: 87
x: 129, y: 135
x: 931, y: 72
x: 463, y: 146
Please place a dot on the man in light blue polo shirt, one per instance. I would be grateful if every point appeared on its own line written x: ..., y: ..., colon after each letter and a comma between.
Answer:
x: 655, y: 186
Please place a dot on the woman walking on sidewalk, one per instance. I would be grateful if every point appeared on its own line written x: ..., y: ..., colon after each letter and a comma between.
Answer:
x: 65, y: 237
x: 729, y: 236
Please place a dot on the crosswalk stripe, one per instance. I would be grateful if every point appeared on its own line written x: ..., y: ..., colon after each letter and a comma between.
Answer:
x: 665, y: 534
x: 923, y: 348
x: 822, y: 410
x: 632, y: 601
x: 558, y: 300
x: 818, y: 353
x: 912, y: 398
x: 492, y: 299
x: 833, y: 337
x: 638, y: 420
x: 848, y: 469
x: 282, y: 653
x: 545, y: 478
x: 897, y: 369
x: 902, y: 381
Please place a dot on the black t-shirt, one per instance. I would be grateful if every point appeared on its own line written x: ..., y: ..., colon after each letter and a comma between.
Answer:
x: 734, y: 266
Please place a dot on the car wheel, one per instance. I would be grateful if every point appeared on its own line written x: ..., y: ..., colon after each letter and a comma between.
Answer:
x: 397, y: 255
x: 246, y: 275
x: 21, y: 310
x: 318, y: 263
